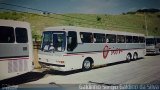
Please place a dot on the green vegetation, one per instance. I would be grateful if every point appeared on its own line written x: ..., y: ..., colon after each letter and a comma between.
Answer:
x: 130, y: 22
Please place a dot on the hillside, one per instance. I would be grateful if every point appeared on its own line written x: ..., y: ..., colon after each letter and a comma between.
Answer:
x: 125, y: 22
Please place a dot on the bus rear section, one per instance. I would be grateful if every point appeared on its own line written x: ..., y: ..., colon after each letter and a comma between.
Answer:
x: 152, y: 45
x: 16, y: 50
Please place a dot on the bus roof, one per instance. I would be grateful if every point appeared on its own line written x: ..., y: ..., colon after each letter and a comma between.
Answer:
x: 81, y: 29
x: 14, y: 23
x: 152, y: 36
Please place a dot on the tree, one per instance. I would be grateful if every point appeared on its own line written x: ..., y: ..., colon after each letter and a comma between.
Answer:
x: 98, y: 18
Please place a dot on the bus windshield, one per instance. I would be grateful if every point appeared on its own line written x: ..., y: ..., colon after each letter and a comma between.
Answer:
x: 53, y: 41
x: 150, y: 41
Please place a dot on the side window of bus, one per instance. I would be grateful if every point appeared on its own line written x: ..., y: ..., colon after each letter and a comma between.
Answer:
x: 128, y: 39
x: 7, y: 34
x: 21, y: 35
x: 99, y: 38
x: 158, y: 40
x: 71, y: 40
x: 141, y: 39
x: 86, y: 37
x: 110, y: 38
x: 120, y: 39
x: 135, y: 39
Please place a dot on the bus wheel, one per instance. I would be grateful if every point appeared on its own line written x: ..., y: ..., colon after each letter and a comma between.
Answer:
x: 128, y: 57
x: 87, y: 65
x: 135, y: 56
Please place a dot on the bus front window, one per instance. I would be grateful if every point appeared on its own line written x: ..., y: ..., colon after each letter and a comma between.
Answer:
x: 53, y: 41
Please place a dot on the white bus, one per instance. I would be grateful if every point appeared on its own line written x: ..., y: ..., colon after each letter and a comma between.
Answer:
x: 16, y: 50
x: 152, y: 44
x: 66, y: 48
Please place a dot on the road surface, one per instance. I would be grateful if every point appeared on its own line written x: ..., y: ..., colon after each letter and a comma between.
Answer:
x: 142, y: 71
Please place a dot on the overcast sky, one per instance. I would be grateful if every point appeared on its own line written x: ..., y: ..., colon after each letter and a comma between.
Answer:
x: 84, y: 6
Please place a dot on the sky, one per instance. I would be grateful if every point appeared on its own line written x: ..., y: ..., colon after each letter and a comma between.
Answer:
x: 83, y: 6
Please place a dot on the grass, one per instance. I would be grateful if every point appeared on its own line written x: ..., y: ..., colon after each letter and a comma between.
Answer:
x: 128, y: 22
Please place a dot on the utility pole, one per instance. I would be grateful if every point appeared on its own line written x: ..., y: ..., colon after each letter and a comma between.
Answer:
x: 146, y: 27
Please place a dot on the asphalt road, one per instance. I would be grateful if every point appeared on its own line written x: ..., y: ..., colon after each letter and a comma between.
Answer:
x: 142, y: 71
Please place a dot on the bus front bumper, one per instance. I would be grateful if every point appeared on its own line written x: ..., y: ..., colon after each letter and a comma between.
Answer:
x: 152, y: 51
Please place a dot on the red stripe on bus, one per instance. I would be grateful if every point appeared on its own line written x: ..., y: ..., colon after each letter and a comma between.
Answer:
x: 6, y: 59
x: 71, y: 54
x: 81, y: 53
x: 94, y: 52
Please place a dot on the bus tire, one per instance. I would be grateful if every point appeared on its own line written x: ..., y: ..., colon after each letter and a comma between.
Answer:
x: 87, y: 65
x: 128, y: 57
x: 135, y: 56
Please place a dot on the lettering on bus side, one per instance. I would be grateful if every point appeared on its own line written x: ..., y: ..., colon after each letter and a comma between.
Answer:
x: 107, y: 49
x: 115, y: 52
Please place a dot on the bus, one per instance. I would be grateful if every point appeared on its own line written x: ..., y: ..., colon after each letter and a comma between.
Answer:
x: 66, y: 48
x: 16, y: 50
x: 152, y: 44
